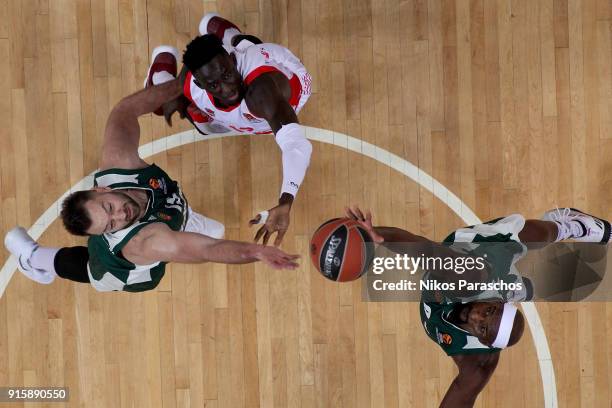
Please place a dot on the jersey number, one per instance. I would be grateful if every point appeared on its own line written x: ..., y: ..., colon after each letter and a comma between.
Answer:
x: 427, y: 310
x: 174, y: 202
x: 242, y: 129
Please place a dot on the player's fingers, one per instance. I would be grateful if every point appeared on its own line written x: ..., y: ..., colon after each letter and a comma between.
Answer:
x: 349, y: 213
x: 255, y: 220
x: 288, y: 264
x: 359, y: 214
x: 278, y: 263
x: 266, y: 237
x: 369, y: 216
x: 259, y: 233
x: 279, y: 237
x: 291, y: 265
x: 260, y: 218
x: 292, y: 259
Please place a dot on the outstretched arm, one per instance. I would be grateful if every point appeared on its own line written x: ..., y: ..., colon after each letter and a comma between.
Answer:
x: 157, y: 242
x: 391, y: 237
x: 403, y: 242
x: 268, y: 97
x: 475, y: 370
x: 122, y: 134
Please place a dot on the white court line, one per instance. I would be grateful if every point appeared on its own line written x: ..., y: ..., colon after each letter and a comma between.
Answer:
x: 355, y: 145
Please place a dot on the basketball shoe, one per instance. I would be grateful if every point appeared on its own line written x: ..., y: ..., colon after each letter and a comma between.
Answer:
x: 22, y: 246
x: 579, y: 226
x: 221, y: 28
x: 163, y: 68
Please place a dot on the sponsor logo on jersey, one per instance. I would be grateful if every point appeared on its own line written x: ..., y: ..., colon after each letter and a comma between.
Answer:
x: 210, y: 112
x: 264, y: 53
x: 154, y: 183
x: 445, y: 338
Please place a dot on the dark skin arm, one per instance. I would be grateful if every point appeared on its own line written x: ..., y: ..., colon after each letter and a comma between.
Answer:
x: 268, y: 97
x: 178, y: 104
x: 475, y: 370
x: 404, y: 242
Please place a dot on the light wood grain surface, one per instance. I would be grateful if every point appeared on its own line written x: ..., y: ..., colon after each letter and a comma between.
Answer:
x: 507, y: 103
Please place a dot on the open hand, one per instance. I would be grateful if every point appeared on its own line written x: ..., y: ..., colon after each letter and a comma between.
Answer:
x: 365, y: 221
x: 276, y: 258
x: 176, y: 105
x: 278, y: 221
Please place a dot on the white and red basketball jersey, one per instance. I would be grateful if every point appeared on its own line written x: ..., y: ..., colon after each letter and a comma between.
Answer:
x: 253, y: 60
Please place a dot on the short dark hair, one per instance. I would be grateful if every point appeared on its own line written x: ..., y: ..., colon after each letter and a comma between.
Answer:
x: 201, y: 50
x: 74, y: 215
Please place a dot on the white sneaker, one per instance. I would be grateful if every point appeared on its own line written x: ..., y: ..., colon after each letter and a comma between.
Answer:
x: 579, y: 226
x: 213, y: 23
x: 225, y: 30
x: 22, y: 246
x: 164, y: 58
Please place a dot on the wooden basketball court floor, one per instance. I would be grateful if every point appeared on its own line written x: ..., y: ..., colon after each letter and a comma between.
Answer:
x: 507, y: 103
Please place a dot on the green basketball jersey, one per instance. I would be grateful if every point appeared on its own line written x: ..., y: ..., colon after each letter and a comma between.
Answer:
x: 500, y: 258
x: 453, y: 339
x: 498, y: 243
x: 108, y: 269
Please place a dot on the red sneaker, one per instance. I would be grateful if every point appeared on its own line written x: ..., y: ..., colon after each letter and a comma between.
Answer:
x: 164, y: 58
x: 212, y: 23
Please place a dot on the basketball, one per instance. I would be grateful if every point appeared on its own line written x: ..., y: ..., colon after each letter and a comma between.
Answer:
x: 341, y: 250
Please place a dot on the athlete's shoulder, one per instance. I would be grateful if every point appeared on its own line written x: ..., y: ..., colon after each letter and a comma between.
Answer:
x: 145, y: 234
x: 257, y: 56
x: 264, y: 50
x: 121, y: 177
x: 149, y: 244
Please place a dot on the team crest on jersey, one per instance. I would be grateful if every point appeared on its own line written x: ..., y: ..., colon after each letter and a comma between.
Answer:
x: 210, y: 112
x: 157, y: 184
x: 163, y: 216
x: 445, y: 338
x: 264, y: 53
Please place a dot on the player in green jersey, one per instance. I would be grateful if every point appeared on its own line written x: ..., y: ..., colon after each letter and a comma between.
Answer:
x: 474, y: 333
x: 136, y: 217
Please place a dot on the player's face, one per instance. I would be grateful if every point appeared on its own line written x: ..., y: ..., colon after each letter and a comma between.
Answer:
x: 221, y: 79
x: 482, y: 319
x: 111, y: 211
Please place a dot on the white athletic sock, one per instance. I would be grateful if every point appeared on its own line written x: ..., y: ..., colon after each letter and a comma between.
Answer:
x: 229, y: 34
x: 42, y: 262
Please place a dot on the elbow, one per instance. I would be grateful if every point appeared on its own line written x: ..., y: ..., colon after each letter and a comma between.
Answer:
x: 306, y: 149
x: 122, y: 110
x: 299, y: 146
